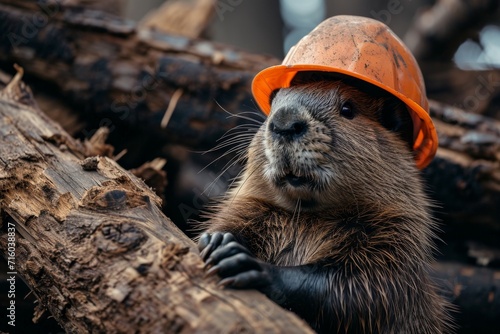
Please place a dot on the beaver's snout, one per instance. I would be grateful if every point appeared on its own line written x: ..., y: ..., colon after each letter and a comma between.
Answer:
x: 296, y: 146
x: 287, y: 123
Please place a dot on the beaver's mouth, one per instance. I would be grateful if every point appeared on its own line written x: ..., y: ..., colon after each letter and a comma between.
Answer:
x: 296, y: 181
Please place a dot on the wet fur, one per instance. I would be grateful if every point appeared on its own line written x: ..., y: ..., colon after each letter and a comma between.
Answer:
x: 364, y: 214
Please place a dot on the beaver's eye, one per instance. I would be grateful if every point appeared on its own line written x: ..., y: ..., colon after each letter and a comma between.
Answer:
x: 346, y: 111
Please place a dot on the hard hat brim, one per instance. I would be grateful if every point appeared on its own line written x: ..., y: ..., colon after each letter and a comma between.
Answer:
x: 280, y: 76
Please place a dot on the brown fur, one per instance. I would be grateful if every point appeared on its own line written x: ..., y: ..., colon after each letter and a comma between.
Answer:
x: 367, y: 212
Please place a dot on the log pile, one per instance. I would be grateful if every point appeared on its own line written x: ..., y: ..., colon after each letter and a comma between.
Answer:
x: 167, y: 96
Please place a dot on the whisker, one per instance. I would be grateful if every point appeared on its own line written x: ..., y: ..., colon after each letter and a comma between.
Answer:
x: 255, y: 113
x: 240, y: 147
x: 235, y: 146
x: 235, y: 141
x: 231, y: 133
x: 228, y: 165
x: 255, y: 107
x: 239, y: 129
x: 234, y: 179
x: 244, y: 181
x: 234, y: 138
x: 239, y: 115
x: 232, y: 141
x: 239, y: 157
x: 242, y: 142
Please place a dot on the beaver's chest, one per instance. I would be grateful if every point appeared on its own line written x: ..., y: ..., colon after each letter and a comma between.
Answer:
x: 289, y: 241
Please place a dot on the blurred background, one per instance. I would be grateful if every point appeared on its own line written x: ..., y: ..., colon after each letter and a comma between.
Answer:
x: 272, y: 26
x: 457, y: 43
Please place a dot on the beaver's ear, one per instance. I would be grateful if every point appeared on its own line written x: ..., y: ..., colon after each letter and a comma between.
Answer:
x: 395, y: 117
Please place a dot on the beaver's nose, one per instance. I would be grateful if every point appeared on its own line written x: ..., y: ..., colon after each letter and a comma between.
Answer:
x: 286, y: 123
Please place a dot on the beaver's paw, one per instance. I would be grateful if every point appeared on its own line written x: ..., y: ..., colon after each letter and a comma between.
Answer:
x: 237, y: 267
x: 209, y: 242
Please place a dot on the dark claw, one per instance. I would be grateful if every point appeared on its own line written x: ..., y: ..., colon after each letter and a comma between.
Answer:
x: 210, y: 242
x: 232, y: 262
x: 226, y: 282
x: 236, y: 264
x: 212, y: 272
x: 206, y: 252
x: 247, y: 280
x: 208, y: 263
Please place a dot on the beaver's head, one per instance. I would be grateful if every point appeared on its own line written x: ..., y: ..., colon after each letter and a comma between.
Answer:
x: 327, y: 141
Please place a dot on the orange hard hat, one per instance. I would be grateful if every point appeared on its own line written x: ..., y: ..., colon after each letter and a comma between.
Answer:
x: 365, y: 49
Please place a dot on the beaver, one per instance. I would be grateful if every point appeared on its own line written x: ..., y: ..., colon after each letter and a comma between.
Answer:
x: 329, y: 218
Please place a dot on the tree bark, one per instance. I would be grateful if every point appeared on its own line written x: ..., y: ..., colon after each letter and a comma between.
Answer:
x: 119, y: 74
x: 94, y: 246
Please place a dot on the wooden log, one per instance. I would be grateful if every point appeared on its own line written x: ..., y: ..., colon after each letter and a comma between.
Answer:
x: 188, y: 18
x: 464, y: 177
x: 477, y: 92
x: 117, y: 74
x: 94, y: 246
x: 475, y: 292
